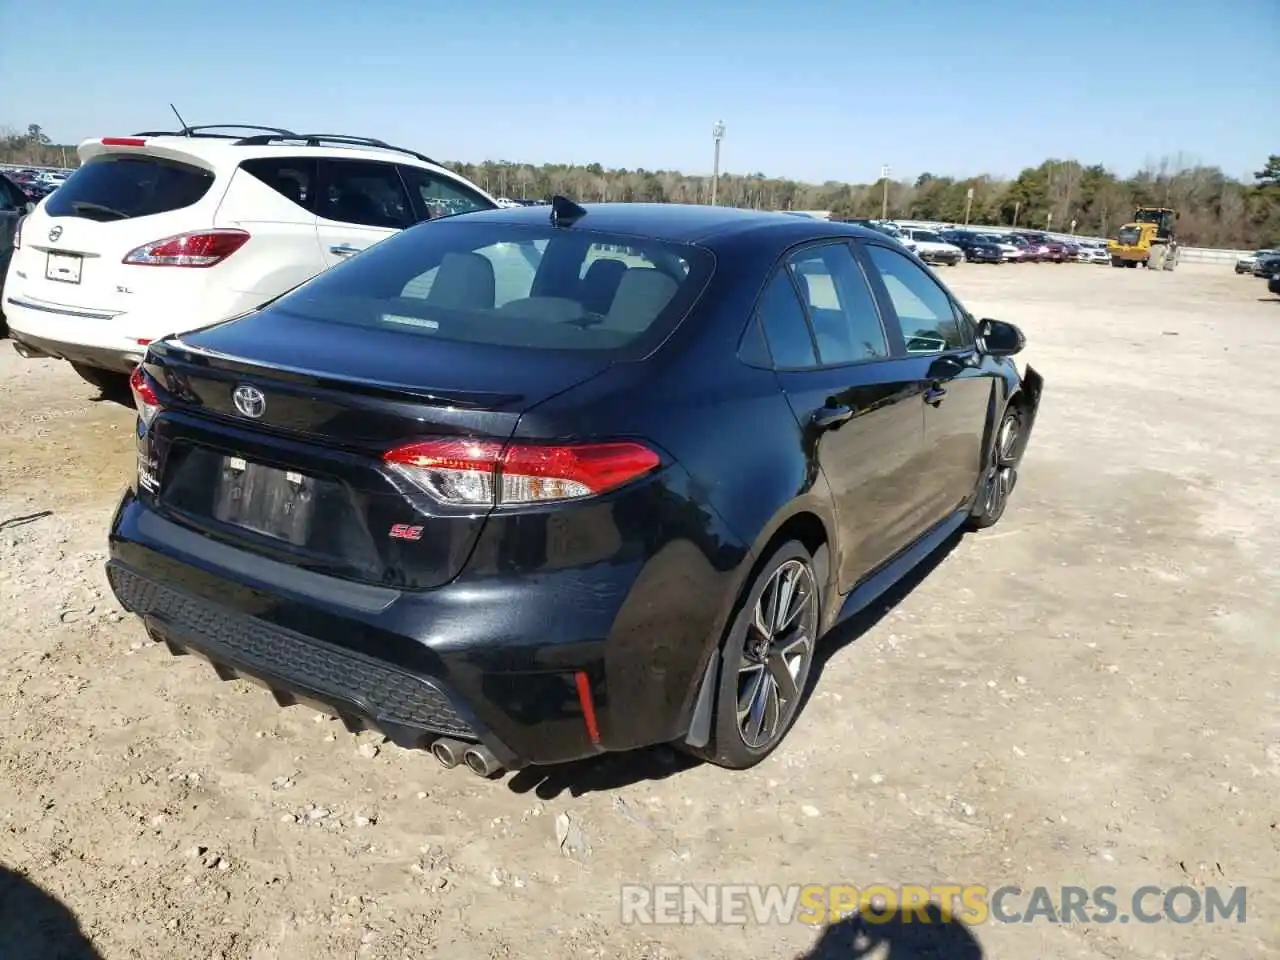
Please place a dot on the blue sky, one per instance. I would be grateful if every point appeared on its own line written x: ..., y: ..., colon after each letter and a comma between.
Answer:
x: 810, y: 90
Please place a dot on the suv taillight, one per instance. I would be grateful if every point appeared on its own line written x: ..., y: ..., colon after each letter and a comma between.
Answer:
x: 201, y: 248
x: 487, y: 473
x: 144, y: 395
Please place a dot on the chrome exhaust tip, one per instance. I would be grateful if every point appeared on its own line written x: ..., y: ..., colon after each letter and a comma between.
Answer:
x: 448, y: 752
x: 481, y: 761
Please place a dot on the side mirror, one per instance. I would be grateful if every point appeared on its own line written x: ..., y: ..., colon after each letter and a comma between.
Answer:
x: 999, y: 339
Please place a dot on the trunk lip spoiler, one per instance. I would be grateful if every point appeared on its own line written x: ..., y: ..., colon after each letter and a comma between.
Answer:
x: 176, y: 348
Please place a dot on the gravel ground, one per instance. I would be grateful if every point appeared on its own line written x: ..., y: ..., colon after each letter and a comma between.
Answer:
x: 1084, y: 695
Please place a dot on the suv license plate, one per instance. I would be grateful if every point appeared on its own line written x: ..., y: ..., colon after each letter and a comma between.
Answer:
x: 63, y: 267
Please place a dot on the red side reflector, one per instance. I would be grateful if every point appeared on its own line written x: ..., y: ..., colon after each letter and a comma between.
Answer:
x: 142, y: 343
x: 588, y: 706
x: 123, y: 142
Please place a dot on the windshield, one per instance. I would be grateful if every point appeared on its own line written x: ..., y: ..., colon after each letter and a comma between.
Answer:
x: 1150, y: 216
x: 926, y: 236
x: 512, y: 286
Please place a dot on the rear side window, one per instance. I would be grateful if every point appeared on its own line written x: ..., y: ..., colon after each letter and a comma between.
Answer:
x: 786, y: 328
x: 124, y: 186
x: 508, y: 285
x: 364, y: 192
x: 294, y: 178
x: 846, y: 323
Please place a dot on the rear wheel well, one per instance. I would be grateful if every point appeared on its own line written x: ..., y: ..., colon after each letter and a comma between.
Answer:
x: 810, y: 532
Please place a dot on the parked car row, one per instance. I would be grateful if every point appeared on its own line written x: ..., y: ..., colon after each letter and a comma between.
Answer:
x: 1259, y: 264
x: 36, y: 184
x: 439, y: 473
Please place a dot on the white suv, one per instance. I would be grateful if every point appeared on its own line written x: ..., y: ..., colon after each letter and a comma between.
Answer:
x: 161, y: 233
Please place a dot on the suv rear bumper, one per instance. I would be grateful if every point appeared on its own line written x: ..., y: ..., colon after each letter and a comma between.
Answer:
x: 104, y: 358
x: 495, y: 660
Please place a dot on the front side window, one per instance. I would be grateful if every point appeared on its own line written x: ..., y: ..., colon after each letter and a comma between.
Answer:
x: 442, y: 196
x: 929, y: 321
x: 506, y: 285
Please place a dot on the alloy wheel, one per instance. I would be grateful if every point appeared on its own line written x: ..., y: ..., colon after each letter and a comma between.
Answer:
x: 776, y: 654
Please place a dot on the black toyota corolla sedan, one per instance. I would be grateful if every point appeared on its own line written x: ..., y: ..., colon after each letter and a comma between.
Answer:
x: 527, y: 485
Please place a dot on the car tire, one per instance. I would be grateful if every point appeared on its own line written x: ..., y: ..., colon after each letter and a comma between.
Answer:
x: 108, y: 382
x: 754, y: 666
x: 1001, y: 473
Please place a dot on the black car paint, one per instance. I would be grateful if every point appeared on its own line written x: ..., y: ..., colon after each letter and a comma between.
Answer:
x: 13, y: 207
x: 633, y: 588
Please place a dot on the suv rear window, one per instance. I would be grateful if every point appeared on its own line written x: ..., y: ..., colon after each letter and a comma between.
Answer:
x: 124, y: 186
x: 509, y: 285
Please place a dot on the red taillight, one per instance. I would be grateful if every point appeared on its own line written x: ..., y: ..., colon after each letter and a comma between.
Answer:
x: 144, y: 395
x: 203, y: 248
x: 123, y: 142
x: 483, y: 473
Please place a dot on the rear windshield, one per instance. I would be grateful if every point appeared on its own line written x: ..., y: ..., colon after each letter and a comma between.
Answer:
x: 484, y: 281
x: 124, y: 186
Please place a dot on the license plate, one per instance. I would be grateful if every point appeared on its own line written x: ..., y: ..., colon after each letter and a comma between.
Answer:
x: 63, y: 267
x: 275, y: 503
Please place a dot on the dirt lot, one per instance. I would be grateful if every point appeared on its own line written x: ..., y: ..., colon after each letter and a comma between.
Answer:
x: 1085, y: 695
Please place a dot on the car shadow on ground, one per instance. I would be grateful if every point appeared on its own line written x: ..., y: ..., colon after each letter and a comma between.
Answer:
x: 616, y: 770
x: 893, y: 935
x: 35, y: 925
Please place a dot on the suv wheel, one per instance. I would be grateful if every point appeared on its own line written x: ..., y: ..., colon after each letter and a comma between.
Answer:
x: 765, y: 661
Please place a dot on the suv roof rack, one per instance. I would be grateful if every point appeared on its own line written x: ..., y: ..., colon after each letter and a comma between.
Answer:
x: 202, y: 131
x: 319, y: 139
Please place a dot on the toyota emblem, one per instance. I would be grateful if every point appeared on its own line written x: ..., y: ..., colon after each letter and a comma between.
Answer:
x: 249, y: 401
x: 55, y: 233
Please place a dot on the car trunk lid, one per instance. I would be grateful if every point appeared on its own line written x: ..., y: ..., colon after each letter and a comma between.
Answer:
x: 275, y: 429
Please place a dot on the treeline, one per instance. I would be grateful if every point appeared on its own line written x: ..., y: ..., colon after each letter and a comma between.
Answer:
x: 1217, y: 210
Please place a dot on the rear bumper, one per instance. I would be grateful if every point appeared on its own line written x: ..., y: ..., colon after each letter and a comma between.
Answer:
x: 494, y: 660
x: 104, y: 358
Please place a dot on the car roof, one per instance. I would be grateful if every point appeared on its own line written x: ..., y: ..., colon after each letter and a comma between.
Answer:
x: 684, y: 223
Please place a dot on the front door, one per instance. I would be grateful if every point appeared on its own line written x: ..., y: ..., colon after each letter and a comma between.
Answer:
x: 860, y: 407
x: 957, y: 384
x: 360, y: 202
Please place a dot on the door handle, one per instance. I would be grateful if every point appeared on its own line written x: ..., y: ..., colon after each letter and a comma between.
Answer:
x: 831, y: 416
x: 934, y: 393
x: 344, y: 250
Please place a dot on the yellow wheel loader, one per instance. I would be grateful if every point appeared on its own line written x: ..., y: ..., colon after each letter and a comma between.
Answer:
x: 1149, y: 238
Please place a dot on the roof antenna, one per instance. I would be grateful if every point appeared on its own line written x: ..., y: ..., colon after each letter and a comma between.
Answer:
x: 564, y: 212
x: 186, y: 131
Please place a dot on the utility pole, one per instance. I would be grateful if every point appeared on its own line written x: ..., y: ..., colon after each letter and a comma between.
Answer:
x: 717, y: 134
x: 1017, y: 205
x: 968, y: 204
x: 884, y: 197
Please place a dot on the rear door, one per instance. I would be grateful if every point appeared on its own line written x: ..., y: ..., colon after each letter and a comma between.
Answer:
x: 274, y: 198
x: 359, y: 203
x: 861, y: 407
x: 957, y: 384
